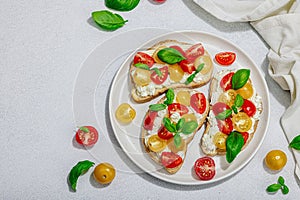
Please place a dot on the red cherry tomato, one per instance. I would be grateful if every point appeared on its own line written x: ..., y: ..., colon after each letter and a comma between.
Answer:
x: 144, y: 58
x: 170, y: 159
x: 245, y: 136
x: 198, y: 102
x: 249, y: 108
x: 219, y: 107
x: 177, y: 107
x: 149, y: 120
x: 226, y: 81
x: 178, y: 48
x: 163, y: 133
x: 205, y: 168
x: 225, y: 58
x: 194, y: 52
x: 225, y: 126
x: 159, y: 1
x: 86, y: 135
x: 159, y: 79
x: 187, y: 66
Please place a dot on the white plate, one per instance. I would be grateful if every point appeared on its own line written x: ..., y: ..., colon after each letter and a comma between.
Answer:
x: 128, y: 136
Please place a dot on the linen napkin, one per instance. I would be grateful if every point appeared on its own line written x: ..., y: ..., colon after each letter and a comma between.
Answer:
x: 278, y: 22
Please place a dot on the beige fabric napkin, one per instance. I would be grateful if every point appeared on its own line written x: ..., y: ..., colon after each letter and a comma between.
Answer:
x: 278, y: 23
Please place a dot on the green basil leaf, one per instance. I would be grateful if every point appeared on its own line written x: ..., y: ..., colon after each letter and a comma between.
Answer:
x: 79, y: 169
x: 84, y: 129
x: 240, y: 78
x: 234, y: 144
x: 281, y: 180
x: 157, y: 107
x: 200, y: 67
x: 170, y: 55
x: 235, y: 110
x: 170, y: 97
x: 295, y: 143
x: 177, y: 140
x: 180, y: 124
x: 122, y: 5
x: 239, y: 101
x: 168, y: 124
x: 108, y: 20
x: 224, y: 115
x: 142, y: 66
x: 189, y: 127
x: 273, y: 188
x: 190, y: 79
x: 285, y: 189
x: 157, y: 71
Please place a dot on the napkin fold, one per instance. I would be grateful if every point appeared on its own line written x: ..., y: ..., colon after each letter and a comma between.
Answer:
x: 278, y: 22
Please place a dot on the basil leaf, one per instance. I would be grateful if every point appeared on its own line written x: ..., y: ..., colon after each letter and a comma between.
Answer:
x: 235, y: 110
x: 157, y: 71
x: 122, y: 5
x: 273, y: 188
x: 190, y: 79
x: 142, y: 66
x: 170, y: 97
x: 157, y: 107
x: 280, y: 180
x: 177, y: 140
x: 239, y: 101
x: 240, y: 78
x: 170, y: 55
x: 225, y: 114
x: 108, y: 20
x: 234, y: 144
x: 168, y: 124
x: 200, y: 67
x: 285, y: 189
x: 295, y: 143
x: 79, y: 169
x: 180, y: 124
x: 189, y: 127
x: 84, y: 129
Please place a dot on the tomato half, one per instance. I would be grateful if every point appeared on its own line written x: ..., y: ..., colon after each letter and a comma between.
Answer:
x: 144, y: 58
x: 156, y: 144
x: 178, y: 48
x: 219, y: 107
x: 226, y: 81
x: 245, y: 136
x: 187, y: 66
x: 86, y: 135
x: 177, y: 107
x: 225, y: 58
x: 205, y: 168
x: 198, y: 102
x: 163, y: 133
x: 249, y: 108
x: 242, y: 122
x: 170, y: 159
x: 194, y: 51
x: 159, y: 79
x: 149, y: 120
x: 225, y: 126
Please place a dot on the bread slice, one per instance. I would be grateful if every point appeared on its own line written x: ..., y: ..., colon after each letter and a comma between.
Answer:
x: 207, y: 141
x: 144, y: 93
x: 185, y: 139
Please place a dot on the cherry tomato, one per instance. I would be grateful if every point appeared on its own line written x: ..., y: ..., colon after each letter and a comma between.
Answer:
x: 177, y: 107
x: 225, y: 58
x: 183, y: 97
x: 125, y: 113
x: 174, y: 148
x: 187, y: 66
x: 207, y: 63
x: 86, y: 135
x: 178, y: 48
x: 205, y: 168
x: 144, y: 58
x: 198, y: 102
x: 245, y: 136
x: 249, y: 108
x: 159, y: 1
x: 149, y: 120
x: 155, y: 57
x: 241, y: 122
x: 194, y: 51
x: 160, y: 79
x: 176, y: 73
x: 220, y: 141
x: 141, y: 77
x: 226, y: 81
x: 156, y: 144
x: 104, y: 173
x: 170, y: 159
x: 225, y: 126
x: 246, y: 91
x: 275, y: 160
x: 163, y: 133
x: 219, y: 107
x: 228, y: 97
x: 189, y: 117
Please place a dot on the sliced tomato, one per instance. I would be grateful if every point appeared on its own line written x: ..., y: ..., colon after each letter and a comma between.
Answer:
x: 144, y: 58
x: 194, y: 52
x: 163, y: 133
x: 187, y: 66
x: 178, y: 48
x: 249, y: 108
x: 225, y: 126
x: 177, y: 107
x: 159, y: 79
x: 198, y: 102
x: 226, y: 81
x: 86, y: 135
x: 219, y: 107
x: 205, y: 168
x: 245, y: 136
x: 225, y: 58
x: 170, y: 159
x: 149, y: 120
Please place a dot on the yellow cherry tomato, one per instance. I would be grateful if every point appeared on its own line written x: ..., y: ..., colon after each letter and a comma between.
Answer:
x: 174, y: 148
x: 183, y: 97
x: 228, y: 97
x: 220, y: 141
x: 141, y: 77
x: 207, y: 63
x: 125, y: 113
x: 246, y: 91
x: 176, y: 73
x: 155, y: 57
x: 156, y: 144
x: 104, y: 173
x: 275, y: 160
x: 189, y: 117
x: 241, y: 122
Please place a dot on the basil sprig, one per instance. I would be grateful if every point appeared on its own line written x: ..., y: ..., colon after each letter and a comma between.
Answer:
x: 191, y: 77
x: 170, y: 97
x: 277, y: 186
x: 157, y: 107
x: 170, y: 55
x: 234, y: 144
x: 157, y: 71
x: 142, y: 66
x: 240, y: 78
x: 224, y: 115
x: 238, y: 102
x: 108, y: 20
x: 295, y: 143
x: 79, y: 169
x: 122, y: 5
